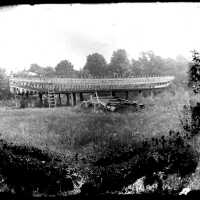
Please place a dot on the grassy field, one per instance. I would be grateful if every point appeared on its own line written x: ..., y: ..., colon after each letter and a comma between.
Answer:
x: 61, y: 129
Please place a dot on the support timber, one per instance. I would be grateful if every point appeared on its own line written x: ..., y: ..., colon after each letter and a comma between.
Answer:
x: 67, y: 99
x: 40, y: 98
x: 81, y: 97
x: 74, y: 98
x: 59, y: 99
x: 126, y: 95
x: 113, y: 93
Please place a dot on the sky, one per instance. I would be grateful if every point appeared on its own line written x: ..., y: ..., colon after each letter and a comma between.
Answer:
x: 48, y: 33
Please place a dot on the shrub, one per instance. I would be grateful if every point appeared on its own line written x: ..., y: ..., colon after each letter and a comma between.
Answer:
x: 120, y: 163
x: 28, y: 169
x: 190, y: 117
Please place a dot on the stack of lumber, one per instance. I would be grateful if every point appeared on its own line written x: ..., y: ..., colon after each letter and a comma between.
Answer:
x: 112, y: 103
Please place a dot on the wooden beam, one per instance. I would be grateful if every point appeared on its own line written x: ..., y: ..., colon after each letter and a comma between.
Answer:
x: 59, y: 98
x: 113, y: 93
x: 74, y: 98
x: 126, y: 95
x: 40, y: 98
x: 81, y: 96
x: 68, y: 99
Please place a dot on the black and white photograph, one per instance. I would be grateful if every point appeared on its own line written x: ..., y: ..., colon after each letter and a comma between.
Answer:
x: 100, y: 100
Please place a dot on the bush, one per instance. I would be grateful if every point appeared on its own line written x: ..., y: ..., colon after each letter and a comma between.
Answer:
x: 190, y: 117
x: 26, y: 169
x: 119, y: 163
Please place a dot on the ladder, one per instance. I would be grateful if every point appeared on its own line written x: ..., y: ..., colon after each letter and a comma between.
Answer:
x: 51, y: 98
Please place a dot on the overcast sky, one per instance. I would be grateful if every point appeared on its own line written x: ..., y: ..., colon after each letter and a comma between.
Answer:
x: 47, y: 34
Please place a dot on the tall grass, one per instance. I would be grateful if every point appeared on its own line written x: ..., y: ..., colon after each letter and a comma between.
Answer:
x: 49, y: 125
x: 64, y: 129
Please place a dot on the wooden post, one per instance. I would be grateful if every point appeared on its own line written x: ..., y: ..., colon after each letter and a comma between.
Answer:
x: 22, y: 93
x: 74, y: 97
x: 81, y: 96
x: 59, y: 98
x: 68, y: 99
x: 27, y: 94
x: 26, y: 98
x: 16, y: 99
x: 126, y: 95
x: 113, y: 93
x: 40, y: 97
x: 22, y: 99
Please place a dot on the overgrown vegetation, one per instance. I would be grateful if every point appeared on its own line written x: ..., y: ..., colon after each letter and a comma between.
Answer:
x: 194, y: 72
x: 119, y: 160
x: 121, y: 163
x: 27, y: 169
x: 108, y: 150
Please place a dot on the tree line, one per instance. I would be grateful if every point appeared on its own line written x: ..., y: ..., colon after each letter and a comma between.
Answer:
x: 96, y: 66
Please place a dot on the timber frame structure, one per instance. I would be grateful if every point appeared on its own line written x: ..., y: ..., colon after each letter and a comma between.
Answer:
x: 71, y: 86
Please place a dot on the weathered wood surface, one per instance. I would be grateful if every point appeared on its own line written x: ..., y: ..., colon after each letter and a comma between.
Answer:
x: 63, y: 85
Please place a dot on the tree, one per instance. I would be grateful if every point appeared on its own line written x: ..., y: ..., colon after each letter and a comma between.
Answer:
x: 148, y: 63
x: 119, y: 63
x: 64, y: 68
x: 95, y: 65
x: 41, y: 71
x: 84, y: 74
x: 49, y: 71
x: 36, y: 69
x: 194, y: 72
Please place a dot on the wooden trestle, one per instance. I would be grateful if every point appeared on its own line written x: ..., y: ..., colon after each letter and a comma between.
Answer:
x: 73, y: 87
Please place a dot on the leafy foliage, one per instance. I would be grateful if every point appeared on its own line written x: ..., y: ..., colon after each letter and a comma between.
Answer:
x: 148, y: 63
x: 41, y: 71
x: 26, y: 169
x: 119, y: 63
x: 194, y: 72
x: 83, y: 73
x: 64, y: 68
x: 120, y: 163
x: 36, y: 69
x: 95, y: 65
x: 48, y: 71
x: 191, y: 124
